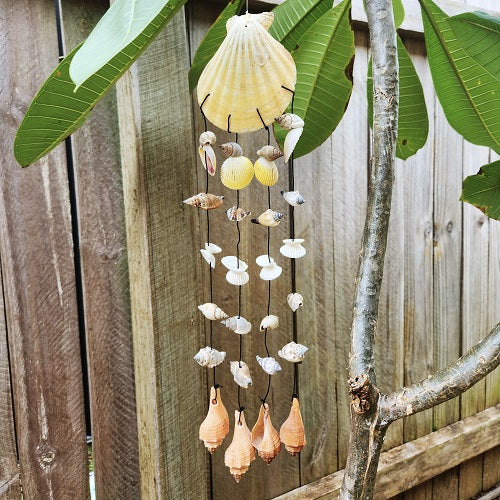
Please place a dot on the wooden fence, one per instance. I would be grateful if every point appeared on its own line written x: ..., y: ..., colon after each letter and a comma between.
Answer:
x: 101, y: 276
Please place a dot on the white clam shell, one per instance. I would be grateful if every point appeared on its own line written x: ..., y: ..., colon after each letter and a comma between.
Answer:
x: 237, y: 274
x: 212, y: 248
x: 209, y: 257
x: 238, y: 324
x: 295, y: 300
x: 237, y: 278
x: 270, y: 270
x: 269, y: 322
x: 212, y: 311
x: 248, y: 72
x: 232, y: 263
x: 269, y: 365
x: 293, y: 248
x: 293, y: 352
x: 293, y: 198
x: 209, y: 357
x: 241, y: 373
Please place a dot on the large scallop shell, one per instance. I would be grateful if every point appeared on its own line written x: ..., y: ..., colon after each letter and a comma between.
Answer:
x: 269, y: 365
x: 269, y: 218
x: 248, y: 72
x: 264, y: 436
x: 236, y: 172
x: 294, y: 198
x: 212, y: 311
x: 206, y: 201
x: 240, y: 453
x: 270, y: 270
x: 293, y: 352
x: 238, y: 324
x: 241, y: 373
x: 236, y: 274
x: 293, y: 248
x: 216, y: 424
x: 292, y: 431
x: 209, y: 357
x: 295, y: 300
x: 269, y: 322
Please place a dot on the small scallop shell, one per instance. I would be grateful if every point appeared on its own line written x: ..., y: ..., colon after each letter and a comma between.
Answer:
x: 231, y: 149
x: 241, y: 373
x: 209, y: 257
x: 236, y: 214
x: 293, y: 248
x: 270, y: 153
x: 269, y: 365
x: 240, y: 453
x: 232, y: 263
x: 293, y: 352
x: 208, y: 159
x: 289, y: 121
x: 215, y: 427
x: 292, y: 431
x: 265, y: 437
x: 238, y: 324
x: 212, y: 248
x: 212, y: 311
x: 236, y: 172
x: 269, y: 218
x: 248, y: 72
x: 237, y: 278
x: 206, y: 201
x: 294, y: 198
x: 209, y: 357
x: 207, y: 138
x: 270, y: 270
x: 266, y: 172
x: 269, y: 323
x: 237, y: 274
x: 295, y: 300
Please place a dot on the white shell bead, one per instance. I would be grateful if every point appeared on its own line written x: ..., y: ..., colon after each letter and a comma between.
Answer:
x: 270, y: 270
x: 293, y: 352
x: 269, y: 323
x: 212, y: 248
x: 241, y: 373
x: 209, y: 257
x: 212, y: 311
x: 209, y: 357
x: 238, y: 324
x: 237, y: 274
x: 293, y: 198
x: 295, y: 300
x: 269, y: 365
x: 293, y: 248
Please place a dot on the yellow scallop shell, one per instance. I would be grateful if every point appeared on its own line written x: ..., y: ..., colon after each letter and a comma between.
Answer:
x: 236, y: 172
x: 266, y: 172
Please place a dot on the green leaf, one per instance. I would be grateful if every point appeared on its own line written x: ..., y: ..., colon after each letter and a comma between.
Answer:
x: 294, y: 17
x: 413, y: 123
x: 399, y: 12
x: 468, y: 93
x: 324, y: 59
x: 479, y: 35
x: 483, y: 190
x: 211, y: 42
x: 126, y: 22
x: 58, y: 110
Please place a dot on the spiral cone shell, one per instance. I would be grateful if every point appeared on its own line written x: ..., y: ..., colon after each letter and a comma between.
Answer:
x: 215, y: 427
x: 238, y: 324
x: 295, y: 300
x: 241, y: 373
x: 236, y: 214
x: 207, y: 138
x: 269, y: 218
x: 266, y: 172
x: 293, y: 352
x: 269, y: 323
x: 231, y: 149
x: 240, y: 453
x: 209, y: 357
x: 289, y: 121
x: 269, y: 365
x: 265, y: 437
x: 270, y: 153
x: 248, y: 72
x: 212, y: 311
x: 206, y: 201
x: 293, y: 248
x: 293, y: 198
x: 236, y: 172
x: 292, y: 431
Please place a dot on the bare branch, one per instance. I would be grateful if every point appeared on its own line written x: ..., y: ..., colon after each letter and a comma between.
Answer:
x: 445, y: 384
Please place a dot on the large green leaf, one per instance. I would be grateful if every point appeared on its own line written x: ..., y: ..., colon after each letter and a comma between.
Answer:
x: 398, y: 11
x: 211, y: 42
x: 294, y: 17
x: 324, y: 60
x: 469, y: 94
x: 483, y: 190
x: 479, y: 35
x: 58, y: 110
x: 413, y: 123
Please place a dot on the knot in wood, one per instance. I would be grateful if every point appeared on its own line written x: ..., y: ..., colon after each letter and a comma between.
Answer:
x: 359, y: 389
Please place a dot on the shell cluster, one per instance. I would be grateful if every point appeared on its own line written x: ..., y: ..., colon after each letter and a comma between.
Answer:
x: 270, y: 270
x: 209, y: 252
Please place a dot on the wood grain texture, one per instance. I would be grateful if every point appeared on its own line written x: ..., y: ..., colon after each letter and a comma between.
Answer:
x: 157, y: 160
x: 38, y: 274
x: 103, y: 254
x: 420, y: 460
x: 9, y: 470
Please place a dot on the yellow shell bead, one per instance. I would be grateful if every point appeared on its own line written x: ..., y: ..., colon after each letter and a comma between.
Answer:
x: 236, y: 172
x: 266, y: 172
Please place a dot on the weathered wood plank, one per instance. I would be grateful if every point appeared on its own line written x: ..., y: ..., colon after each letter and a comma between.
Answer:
x: 103, y: 254
x: 420, y: 459
x: 157, y: 161
x: 9, y: 470
x: 38, y: 274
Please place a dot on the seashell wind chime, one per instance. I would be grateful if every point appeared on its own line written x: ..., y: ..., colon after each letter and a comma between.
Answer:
x: 247, y: 84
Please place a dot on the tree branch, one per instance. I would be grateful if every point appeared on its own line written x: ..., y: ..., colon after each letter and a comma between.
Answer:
x: 455, y: 379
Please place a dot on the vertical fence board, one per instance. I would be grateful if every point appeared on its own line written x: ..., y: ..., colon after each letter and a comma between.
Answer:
x: 39, y: 276
x: 158, y: 158
x: 419, y: 265
x: 99, y: 193
x: 9, y: 470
